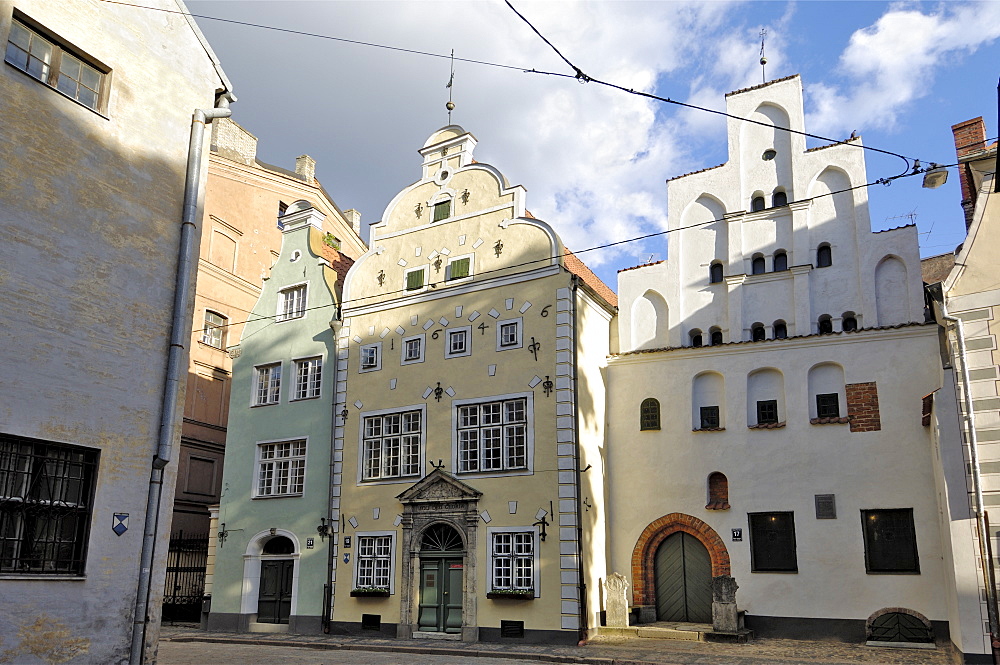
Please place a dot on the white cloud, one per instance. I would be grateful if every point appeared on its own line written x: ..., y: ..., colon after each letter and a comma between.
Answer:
x: 892, y: 63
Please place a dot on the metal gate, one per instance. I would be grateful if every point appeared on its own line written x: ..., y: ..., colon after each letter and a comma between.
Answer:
x: 185, y: 584
x: 683, y: 570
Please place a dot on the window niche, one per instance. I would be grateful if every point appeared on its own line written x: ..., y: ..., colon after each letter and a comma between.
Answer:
x: 827, y: 395
x: 824, y: 256
x: 718, y: 492
x: 849, y: 322
x: 757, y: 265
x: 715, y: 272
x: 825, y: 324
x: 780, y: 261
x: 696, y: 337
x: 765, y: 399
x: 780, y: 329
x: 757, y: 332
x: 779, y: 198
x: 708, y: 394
x: 757, y: 203
x: 715, y: 335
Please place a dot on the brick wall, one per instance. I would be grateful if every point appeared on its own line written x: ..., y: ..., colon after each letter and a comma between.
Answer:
x: 862, y: 407
x: 970, y: 137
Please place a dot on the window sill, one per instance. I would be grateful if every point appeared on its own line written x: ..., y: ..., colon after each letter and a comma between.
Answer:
x: 843, y: 420
x: 767, y: 425
x: 277, y: 496
x: 718, y: 505
x: 43, y: 577
x: 892, y: 572
x: 304, y: 399
x: 369, y: 593
x: 508, y: 595
x: 254, y: 406
x: 709, y: 429
x: 210, y: 346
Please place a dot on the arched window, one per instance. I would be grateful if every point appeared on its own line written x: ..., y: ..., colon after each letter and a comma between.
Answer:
x: 779, y: 198
x: 757, y: 203
x: 696, y: 339
x: 718, y: 492
x: 780, y: 329
x: 827, y: 393
x: 850, y: 322
x: 649, y: 414
x: 715, y: 273
x: 757, y: 333
x: 765, y: 398
x: 824, y: 256
x: 716, y: 336
x: 757, y: 265
x: 708, y: 396
x: 780, y: 261
x: 825, y: 324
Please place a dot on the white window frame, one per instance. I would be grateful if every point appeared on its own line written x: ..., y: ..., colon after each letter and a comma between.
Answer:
x: 377, y: 346
x: 256, y: 386
x: 362, y: 450
x: 296, y: 465
x: 519, y: 321
x: 529, y: 433
x: 210, y: 329
x: 421, y: 342
x: 313, y: 379
x: 468, y: 342
x: 391, y: 535
x: 427, y: 278
x: 452, y: 259
x: 283, y: 313
x: 536, y: 557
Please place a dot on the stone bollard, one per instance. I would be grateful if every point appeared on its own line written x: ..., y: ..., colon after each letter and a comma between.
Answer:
x: 725, y: 617
x: 616, y: 601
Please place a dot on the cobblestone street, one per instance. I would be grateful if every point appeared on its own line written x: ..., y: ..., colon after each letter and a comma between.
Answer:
x: 188, y: 646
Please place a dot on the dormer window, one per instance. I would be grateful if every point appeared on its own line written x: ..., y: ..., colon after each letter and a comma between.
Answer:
x: 757, y: 204
x: 442, y: 210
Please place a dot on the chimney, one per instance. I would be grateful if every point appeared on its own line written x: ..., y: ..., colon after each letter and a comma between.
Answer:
x: 353, y: 218
x: 231, y: 141
x: 970, y: 137
x: 305, y: 167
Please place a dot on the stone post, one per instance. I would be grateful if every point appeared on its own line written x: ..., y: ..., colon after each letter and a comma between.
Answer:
x: 616, y: 601
x: 725, y: 618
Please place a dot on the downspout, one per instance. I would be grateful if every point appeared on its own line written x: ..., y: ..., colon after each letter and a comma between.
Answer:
x: 326, y: 617
x: 176, y: 367
x: 977, y: 482
x: 581, y: 583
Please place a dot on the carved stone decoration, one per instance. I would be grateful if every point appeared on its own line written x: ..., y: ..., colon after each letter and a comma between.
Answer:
x: 616, y: 601
x: 439, y: 498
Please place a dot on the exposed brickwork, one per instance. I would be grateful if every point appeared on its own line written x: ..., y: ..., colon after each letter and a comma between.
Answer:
x: 862, y: 407
x: 644, y: 554
x: 233, y: 142
x: 970, y: 137
x: 718, y: 491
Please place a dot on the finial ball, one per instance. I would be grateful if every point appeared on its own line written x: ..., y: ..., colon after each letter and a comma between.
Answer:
x: 763, y: 61
x: 450, y: 106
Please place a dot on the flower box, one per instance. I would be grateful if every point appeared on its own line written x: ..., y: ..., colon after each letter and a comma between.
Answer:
x: 511, y: 594
x: 369, y: 592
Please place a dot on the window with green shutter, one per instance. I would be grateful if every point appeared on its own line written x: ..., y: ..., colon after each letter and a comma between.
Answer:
x: 442, y: 210
x: 415, y: 280
x: 458, y: 268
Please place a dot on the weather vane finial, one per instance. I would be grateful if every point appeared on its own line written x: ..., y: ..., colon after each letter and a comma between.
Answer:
x: 451, y: 105
x: 763, y: 60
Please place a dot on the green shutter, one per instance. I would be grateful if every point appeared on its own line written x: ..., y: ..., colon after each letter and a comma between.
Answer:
x: 458, y: 269
x: 414, y: 280
x: 442, y: 210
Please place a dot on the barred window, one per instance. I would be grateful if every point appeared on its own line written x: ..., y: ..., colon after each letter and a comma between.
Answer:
x: 649, y: 414
x: 828, y: 405
x: 46, y: 498
x: 308, y: 377
x: 291, y: 303
x: 391, y: 445
x: 281, y: 468
x: 214, y: 331
x: 709, y: 417
x: 767, y: 411
x: 513, y: 561
x: 493, y: 436
x: 374, y: 561
x: 772, y: 542
x: 267, y: 384
x: 890, y: 541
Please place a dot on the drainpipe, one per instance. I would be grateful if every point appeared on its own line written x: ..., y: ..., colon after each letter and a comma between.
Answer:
x: 977, y: 483
x: 176, y: 367
x: 326, y: 617
x: 581, y: 583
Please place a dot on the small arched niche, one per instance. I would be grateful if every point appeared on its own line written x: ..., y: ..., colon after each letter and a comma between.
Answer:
x: 824, y: 324
x: 765, y: 398
x: 890, y: 291
x: 824, y: 255
x: 708, y: 400
x: 779, y: 198
x: 718, y: 491
x: 757, y: 332
x: 827, y: 395
x: 649, y: 321
x: 849, y: 322
x: 757, y: 264
x: 715, y: 335
x: 780, y: 260
x: 715, y: 272
x: 697, y: 339
x: 780, y: 329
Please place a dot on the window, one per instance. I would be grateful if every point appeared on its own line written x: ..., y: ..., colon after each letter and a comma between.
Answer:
x: 757, y: 332
x: 767, y: 411
x: 890, y: 541
x: 696, y: 338
x: 716, y: 337
x: 282, y: 209
x: 214, y: 331
x: 780, y: 261
x: 493, y: 436
x: 824, y: 256
x: 649, y: 414
x: 391, y: 446
x: 308, y: 378
x: 780, y: 330
x: 849, y: 322
x: 415, y: 279
x: 459, y: 342
x: 374, y: 566
x: 442, y: 210
x: 757, y: 266
x: 710, y: 417
x: 772, y: 543
x: 55, y: 66
x: 371, y: 357
x: 715, y: 273
x: 779, y: 199
x: 458, y: 268
x: 508, y: 334
x: 413, y: 350
x: 267, y: 384
x: 513, y: 560
x: 281, y: 468
x: 291, y: 303
x: 828, y: 405
x: 46, y: 499
x: 757, y: 204
x: 825, y: 325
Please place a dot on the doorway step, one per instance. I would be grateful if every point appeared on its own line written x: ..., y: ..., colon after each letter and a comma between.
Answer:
x: 427, y: 635
x: 671, y: 630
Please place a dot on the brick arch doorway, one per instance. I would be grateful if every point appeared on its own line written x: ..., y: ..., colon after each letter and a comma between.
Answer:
x: 646, y: 548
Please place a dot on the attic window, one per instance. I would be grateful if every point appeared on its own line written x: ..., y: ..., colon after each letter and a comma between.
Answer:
x: 442, y: 210
x: 768, y: 155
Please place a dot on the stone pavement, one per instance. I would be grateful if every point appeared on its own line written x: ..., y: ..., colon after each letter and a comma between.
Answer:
x: 218, y: 648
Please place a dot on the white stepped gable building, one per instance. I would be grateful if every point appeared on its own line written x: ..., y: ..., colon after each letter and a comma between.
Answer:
x: 766, y: 406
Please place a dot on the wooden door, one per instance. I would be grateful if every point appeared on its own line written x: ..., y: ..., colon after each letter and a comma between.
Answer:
x: 683, y: 571
x: 274, y: 602
x: 440, y: 595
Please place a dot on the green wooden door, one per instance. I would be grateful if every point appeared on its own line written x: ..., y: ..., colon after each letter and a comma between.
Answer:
x: 683, y: 571
x: 440, y: 595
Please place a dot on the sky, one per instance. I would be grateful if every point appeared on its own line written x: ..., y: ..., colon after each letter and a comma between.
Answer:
x: 594, y: 160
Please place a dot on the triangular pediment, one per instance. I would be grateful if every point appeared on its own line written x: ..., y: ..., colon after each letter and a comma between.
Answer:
x: 439, y: 485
